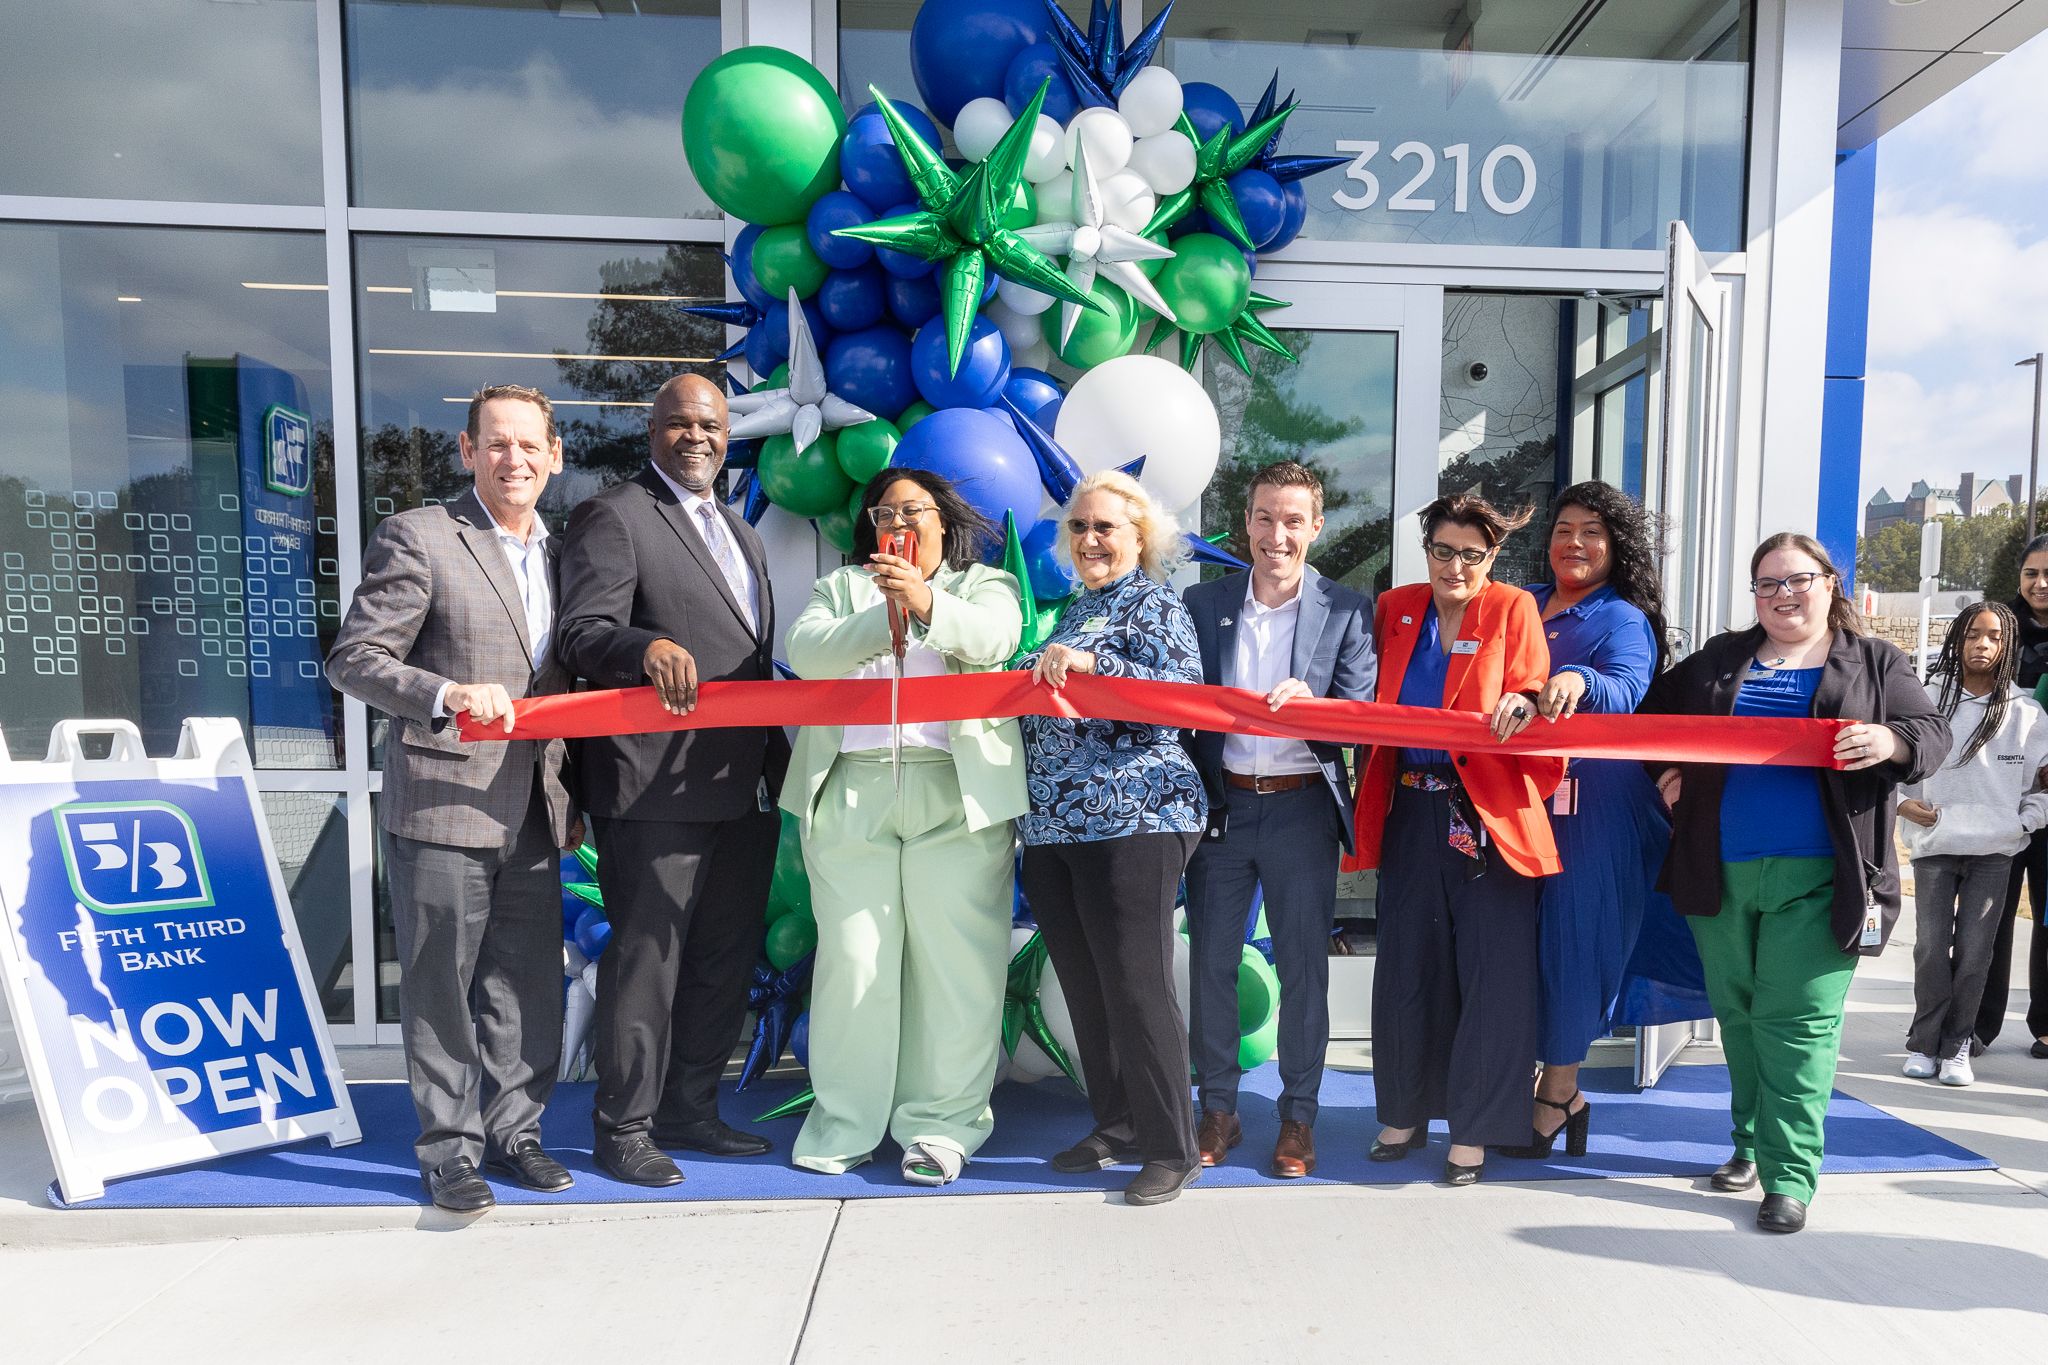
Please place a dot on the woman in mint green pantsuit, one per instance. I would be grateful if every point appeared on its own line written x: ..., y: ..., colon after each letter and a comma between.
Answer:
x: 913, y: 892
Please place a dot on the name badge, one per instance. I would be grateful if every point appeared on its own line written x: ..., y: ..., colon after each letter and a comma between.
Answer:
x: 1565, y: 800
x: 1873, y: 926
x: 1407, y: 620
x: 1095, y: 623
x: 1464, y: 646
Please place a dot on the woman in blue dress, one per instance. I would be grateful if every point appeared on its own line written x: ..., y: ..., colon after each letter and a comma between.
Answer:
x: 1604, y: 620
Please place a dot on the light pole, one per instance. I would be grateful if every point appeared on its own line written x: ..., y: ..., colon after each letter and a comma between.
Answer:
x: 2034, y: 454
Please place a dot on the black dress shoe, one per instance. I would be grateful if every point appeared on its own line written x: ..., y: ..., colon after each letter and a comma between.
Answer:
x: 636, y: 1161
x: 2038, y: 1050
x: 526, y: 1164
x: 1781, y: 1213
x: 1394, y: 1151
x: 1455, y: 1174
x: 1091, y: 1153
x: 455, y: 1186
x: 1158, y: 1181
x: 1736, y: 1173
x: 713, y: 1137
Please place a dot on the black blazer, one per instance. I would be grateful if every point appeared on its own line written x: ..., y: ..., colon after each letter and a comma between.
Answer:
x: 635, y: 571
x: 1333, y: 654
x: 1864, y: 679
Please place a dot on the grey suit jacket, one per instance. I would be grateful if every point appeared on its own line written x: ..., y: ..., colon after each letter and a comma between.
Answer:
x: 438, y: 603
x: 634, y: 570
x: 1333, y: 654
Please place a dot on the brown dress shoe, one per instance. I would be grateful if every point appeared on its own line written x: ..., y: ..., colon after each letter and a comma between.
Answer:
x: 1217, y: 1135
x: 1294, y: 1155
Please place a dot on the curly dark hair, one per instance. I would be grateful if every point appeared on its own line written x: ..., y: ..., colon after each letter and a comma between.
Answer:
x: 967, y: 532
x: 1948, y: 671
x: 1635, y: 540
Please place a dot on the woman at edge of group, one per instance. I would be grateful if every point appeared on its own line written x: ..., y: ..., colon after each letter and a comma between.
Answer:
x: 1460, y: 841
x: 1604, y: 618
x: 911, y: 885
x: 2030, y: 867
x: 1116, y: 809
x: 1787, y: 874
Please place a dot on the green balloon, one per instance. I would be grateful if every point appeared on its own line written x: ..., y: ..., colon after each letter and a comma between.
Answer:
x: 1206, y: 283
x: 1258, y: 1009
x: 913, y: 414
x: 836, y: 527
x: 864, y: 450
x: 789, y: 938
x: 789, y: 889
x: 784, y: 260
x: 778, y: 378
x: 1150, y: 269
x: 1097, y: 336
x: 808, y: 483
x: 761, y: 131
x: 1023, y: 208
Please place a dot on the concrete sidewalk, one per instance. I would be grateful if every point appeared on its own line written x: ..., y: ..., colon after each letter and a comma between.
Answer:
x: 1892, y: 1267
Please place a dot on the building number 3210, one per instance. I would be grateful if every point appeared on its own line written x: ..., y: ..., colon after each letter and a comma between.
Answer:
x: 1406, y: 200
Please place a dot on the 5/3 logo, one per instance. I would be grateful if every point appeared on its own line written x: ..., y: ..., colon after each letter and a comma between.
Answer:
x: 125, y: 857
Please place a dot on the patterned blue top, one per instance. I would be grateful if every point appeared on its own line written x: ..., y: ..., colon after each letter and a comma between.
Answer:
x: 1101, y: 779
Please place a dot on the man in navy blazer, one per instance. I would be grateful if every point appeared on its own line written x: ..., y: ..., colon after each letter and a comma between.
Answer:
x: 1279, y: 809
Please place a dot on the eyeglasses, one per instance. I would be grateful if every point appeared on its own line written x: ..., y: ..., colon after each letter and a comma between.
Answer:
x: 1444, y: 554
x: 1103, y: 529
x: 1796, y: 584
x: 909, y: 512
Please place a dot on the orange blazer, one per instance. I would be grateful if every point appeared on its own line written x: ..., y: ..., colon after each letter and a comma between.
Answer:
x: 1509, y: 792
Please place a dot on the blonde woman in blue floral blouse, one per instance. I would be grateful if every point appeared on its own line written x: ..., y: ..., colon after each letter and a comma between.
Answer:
x: 1116, y: 810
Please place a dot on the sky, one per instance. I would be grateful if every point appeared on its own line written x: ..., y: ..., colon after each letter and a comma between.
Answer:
x: 1959, y: 281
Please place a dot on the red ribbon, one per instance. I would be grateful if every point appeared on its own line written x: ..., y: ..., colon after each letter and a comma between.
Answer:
x: 968, y: 696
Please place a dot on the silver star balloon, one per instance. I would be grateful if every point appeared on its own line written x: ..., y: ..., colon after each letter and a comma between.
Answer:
x: 1093, y: 245
x: 803, y: 408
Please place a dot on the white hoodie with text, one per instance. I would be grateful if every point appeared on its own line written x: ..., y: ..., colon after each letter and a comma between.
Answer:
x: 1988, y: 804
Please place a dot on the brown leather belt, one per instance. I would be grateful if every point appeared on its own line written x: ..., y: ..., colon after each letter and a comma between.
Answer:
x: 1266, y: 786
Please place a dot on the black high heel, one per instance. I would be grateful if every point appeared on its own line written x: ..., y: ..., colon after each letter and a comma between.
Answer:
x: 1574, y: 1128
x: 1394, y: 1151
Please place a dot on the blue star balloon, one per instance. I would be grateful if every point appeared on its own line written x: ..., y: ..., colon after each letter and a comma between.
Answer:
x: 1098, y: 63
x: 1285, y: 169
x: 776, y: 998
x: 741, y: 314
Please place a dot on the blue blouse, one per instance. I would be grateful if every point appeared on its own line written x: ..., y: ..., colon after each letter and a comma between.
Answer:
x: 1423, y: 685
x: 1770, y: 811
x: 1612, y: 637
x: 1101, y: 779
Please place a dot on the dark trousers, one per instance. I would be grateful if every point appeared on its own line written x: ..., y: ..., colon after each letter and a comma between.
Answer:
x: 1286, y: 843
x: 2029, y: 868
x: 479, y: 935
x: 1956, y: 903
x: 1454, y: 992
x: 1106, y: 911
x: 686, y: 903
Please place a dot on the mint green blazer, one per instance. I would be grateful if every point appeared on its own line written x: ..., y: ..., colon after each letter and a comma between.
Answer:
x: 976, y: 622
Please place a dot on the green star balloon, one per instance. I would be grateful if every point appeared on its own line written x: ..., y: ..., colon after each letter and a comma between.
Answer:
x: 1023, y: 1014
x: 961, y: 223
x: 1216, y: 160
x: 1244, y: 327
x: 1038, y: 621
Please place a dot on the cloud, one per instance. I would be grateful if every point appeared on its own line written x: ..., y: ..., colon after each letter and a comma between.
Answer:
x: 1914, y: 431
x: 1989, y: 128
x: 1950, y: 284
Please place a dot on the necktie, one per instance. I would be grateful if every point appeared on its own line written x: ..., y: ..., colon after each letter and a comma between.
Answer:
x: 728, y: 563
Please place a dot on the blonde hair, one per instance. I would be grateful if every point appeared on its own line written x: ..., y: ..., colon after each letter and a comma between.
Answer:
x: 1161, y: 547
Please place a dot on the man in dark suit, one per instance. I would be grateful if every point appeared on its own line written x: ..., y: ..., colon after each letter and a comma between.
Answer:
x: 1279, y: 809
x: 455, y: 614
x: 663, y: 586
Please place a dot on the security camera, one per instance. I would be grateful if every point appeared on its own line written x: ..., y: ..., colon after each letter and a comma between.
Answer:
x: 1478, y: 371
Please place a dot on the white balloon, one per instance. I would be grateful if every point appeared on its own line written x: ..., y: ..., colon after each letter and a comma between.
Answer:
x: 1128, y: 201
x: 1151, y: 102
x: 1056, y: 197
x: 1144, y: 405
x: 1022, y: 298
x: 1166, y: 161
x: 1036, y: 356
x: 980, y: 126
x: 1108, y: 138
x: 1048, y: 154
x: 1019, y: 329
x: 1059, y: 1022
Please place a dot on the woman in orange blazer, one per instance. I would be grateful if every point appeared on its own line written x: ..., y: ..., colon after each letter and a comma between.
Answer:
x: 1459, y: 840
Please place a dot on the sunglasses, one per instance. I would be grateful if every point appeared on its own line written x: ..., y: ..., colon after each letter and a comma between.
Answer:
x: 1103, y: 529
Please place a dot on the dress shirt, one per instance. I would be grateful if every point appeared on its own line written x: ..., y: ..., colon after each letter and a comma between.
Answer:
x: 529, y: 563
x: 746, y: 589
x: 1429, y: 668
x: 1265, y: 659
x: 919, y: 661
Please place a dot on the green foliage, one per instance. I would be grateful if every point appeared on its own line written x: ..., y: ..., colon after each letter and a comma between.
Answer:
x: 1980, y: 552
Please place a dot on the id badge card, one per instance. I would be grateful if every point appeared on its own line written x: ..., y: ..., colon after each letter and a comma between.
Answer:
x: 1565, y: 800
x: 1873, y: 926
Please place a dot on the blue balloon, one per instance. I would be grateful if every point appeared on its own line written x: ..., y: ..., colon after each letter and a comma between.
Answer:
x: 573, y: 907
x: 1263, y: 204
x: 871, y: 369
x: 902, y: 264
x: 800, y: 1040
x: 768, y: 340
x: 1210, y: 107
x: 838, y: 210
x: 1030, y: 69
x: 743, y: 269
x: 850, y: 300
x: 984, y: 366
x: 1194, y: 220
x: 593, y: 932
x: 913, y: 302
x: 1049, y: 415
x: 960, y: 50
x: 1031, y: 390
x: 981, y: 452
x: 1296, y: 195
x: 869, y: 162
x: 1052, y: 573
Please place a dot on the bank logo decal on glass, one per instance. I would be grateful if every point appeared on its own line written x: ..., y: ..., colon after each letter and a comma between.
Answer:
x: 126, y: 857
x: 287, y: 451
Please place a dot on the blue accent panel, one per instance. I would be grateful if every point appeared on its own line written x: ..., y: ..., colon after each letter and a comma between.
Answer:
x: 1849, y: 276
x: 1841, y: 467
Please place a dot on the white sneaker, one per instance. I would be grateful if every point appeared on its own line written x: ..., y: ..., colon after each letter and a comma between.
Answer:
x: 1918, y: 1065
x: 1956, y: 1070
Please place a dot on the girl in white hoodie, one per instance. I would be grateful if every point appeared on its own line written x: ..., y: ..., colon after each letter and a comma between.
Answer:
x: 1962, y: 827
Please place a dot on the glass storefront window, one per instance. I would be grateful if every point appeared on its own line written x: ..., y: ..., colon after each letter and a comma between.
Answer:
x: 1499, y: 429
x: 310, y: 834
x: 874, y: 47
x: 162, y: 99
x: 1501, y: 125
x: 167, y: 533
x: 526, y: 106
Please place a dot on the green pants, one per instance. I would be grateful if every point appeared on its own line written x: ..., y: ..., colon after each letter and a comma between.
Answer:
x: 913, y: 914
x: 1778, y: 981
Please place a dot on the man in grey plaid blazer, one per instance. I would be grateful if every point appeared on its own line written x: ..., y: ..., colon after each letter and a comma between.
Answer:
x: 455, y: 614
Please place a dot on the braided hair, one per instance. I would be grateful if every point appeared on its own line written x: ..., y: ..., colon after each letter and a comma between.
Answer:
x: 1948, y: 670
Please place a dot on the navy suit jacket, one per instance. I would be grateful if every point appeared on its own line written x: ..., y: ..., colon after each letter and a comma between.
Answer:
x: 1333, y: 654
